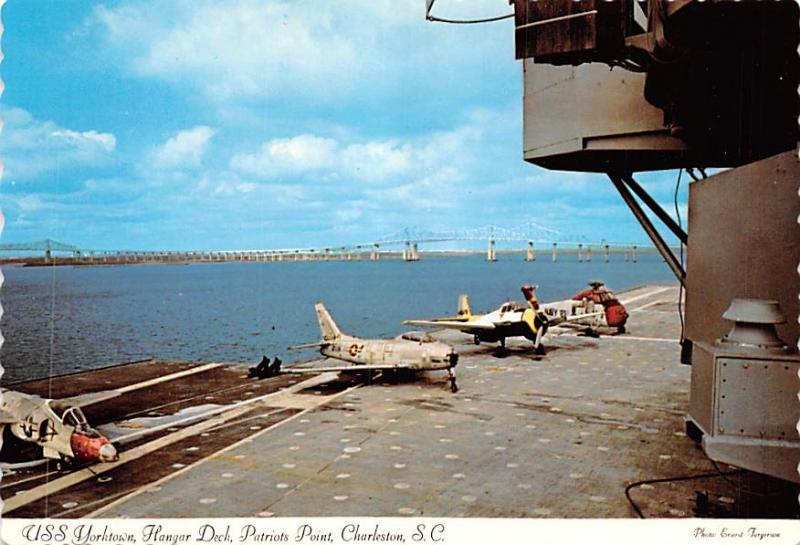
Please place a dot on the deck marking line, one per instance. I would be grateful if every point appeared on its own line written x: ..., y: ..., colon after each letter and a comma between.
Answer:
x: 623, y: 338
x: 648, y: 305
x: 322, y: 401
x: 646, y: 294
x: 165, y: 378
x: 232, y: 411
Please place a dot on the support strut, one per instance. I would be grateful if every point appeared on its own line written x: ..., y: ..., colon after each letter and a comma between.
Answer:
x: 647, y: 225
x: 655, y: 207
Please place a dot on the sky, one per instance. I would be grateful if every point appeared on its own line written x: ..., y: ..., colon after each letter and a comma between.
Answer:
x: 182, y: 125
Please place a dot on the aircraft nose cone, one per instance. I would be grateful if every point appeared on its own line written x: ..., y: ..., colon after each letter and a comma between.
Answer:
x: 108, y: 453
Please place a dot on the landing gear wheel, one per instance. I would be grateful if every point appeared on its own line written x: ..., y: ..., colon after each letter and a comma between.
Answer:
x: 539, y: 350
x: 621, y: 329
x: 476, y: 340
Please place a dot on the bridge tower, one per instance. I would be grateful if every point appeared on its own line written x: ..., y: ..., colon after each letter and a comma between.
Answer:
x: 530, y: 255
x: 491, y: 254
x: 414, y: 252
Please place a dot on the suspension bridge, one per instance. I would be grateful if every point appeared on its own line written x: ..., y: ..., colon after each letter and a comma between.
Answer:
x: 529, y: 241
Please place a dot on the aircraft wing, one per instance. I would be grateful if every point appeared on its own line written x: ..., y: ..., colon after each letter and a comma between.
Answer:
x: 343, y: 368
x: 85, y: 400
x: 451, y: 324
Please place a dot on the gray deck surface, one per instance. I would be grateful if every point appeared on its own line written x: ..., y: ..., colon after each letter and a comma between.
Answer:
x: 526, y: 436
x: 559, y: 435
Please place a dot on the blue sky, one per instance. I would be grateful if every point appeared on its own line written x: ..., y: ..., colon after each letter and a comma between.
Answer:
x: 177, y: 124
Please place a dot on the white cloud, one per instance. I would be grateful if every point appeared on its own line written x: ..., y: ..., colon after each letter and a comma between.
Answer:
x: 251, y: 48
x: 106, y: 140
x: 31, y: 147
x: 185, y: 149
x: 261, y: 49
x: 29, y: 203
x: 377, y: 160
x: 296, y: 155
x: 371, y: 162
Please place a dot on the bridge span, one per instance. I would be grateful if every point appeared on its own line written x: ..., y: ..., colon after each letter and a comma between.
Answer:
x: 50, y: 252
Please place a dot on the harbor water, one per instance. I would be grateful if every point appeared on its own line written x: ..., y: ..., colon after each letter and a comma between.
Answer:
x: 58, y: 320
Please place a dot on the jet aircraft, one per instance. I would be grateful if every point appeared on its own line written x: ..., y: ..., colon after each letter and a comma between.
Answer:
x: 509, y: 320
x: 58, y: 426
x: 412, y: 352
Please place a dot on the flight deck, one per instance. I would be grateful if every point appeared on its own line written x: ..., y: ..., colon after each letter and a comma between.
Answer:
x: 558, y: 435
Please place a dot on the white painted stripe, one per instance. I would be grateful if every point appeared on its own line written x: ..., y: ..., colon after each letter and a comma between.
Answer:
x: 646, y: 339
x: 648, y: 305
x: 166, y: 378
x: 77, y: 477
x: 321, y: 401
x: 623, y: 338
x: 645, y: 295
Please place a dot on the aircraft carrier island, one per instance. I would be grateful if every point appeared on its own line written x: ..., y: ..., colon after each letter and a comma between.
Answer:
x: 593, y: 428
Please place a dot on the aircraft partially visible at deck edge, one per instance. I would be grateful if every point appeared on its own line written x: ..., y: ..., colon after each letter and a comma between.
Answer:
x: 58, y: 426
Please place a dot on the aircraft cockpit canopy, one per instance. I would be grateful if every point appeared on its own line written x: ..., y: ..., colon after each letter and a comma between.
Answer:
x: 70, y: 415
x: 511, y: 306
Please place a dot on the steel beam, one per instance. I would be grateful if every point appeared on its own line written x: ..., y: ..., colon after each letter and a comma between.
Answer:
x: 647, y: 225
x: 656, y: 208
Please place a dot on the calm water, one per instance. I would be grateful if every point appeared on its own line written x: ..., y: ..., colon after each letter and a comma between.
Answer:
x: 64, y: 319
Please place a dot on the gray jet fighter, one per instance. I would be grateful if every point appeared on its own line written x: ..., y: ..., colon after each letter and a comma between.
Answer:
x: 58, y: 426
x: 412, y: 352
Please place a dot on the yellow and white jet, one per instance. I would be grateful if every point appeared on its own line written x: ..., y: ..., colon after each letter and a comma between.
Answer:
x: 412, y: 352
x: 509, y: 320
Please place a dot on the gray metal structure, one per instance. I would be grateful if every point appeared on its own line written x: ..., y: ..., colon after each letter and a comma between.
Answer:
x: 690, y: 85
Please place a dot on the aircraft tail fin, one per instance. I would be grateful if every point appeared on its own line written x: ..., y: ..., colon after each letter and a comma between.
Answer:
x: 328, y: 327
x: 463, y: 306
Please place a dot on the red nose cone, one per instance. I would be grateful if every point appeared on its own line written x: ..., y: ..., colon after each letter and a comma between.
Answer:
x: 92, y: 449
